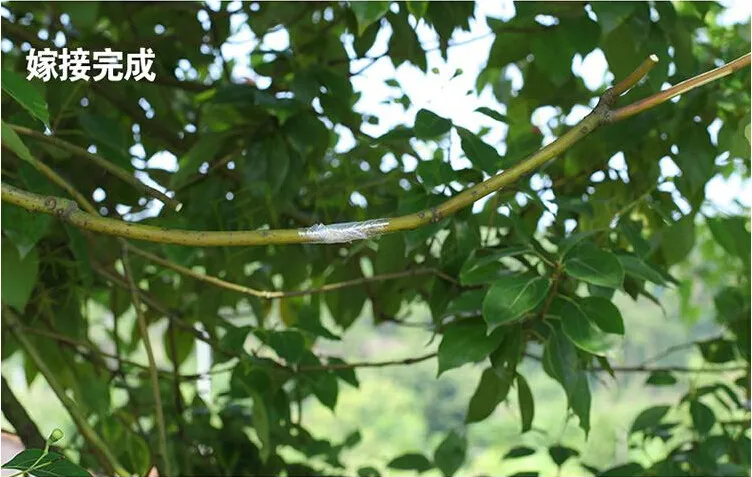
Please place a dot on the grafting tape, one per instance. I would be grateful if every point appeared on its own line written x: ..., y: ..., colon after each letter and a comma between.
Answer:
x: 344, y: 232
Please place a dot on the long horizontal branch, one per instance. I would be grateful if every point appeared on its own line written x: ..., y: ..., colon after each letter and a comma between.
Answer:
x: 337, y: 233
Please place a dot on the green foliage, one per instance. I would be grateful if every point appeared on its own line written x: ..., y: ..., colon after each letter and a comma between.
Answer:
x: 535, y: 277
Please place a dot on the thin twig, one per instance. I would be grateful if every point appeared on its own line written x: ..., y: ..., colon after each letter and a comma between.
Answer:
x: 681, y: 88
x: 371, y: 364
x: 109, y: 166
x: 144, y: 328
x: 269, y: 295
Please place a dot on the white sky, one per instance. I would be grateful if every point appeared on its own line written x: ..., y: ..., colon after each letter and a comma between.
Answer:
x: 447, y: 94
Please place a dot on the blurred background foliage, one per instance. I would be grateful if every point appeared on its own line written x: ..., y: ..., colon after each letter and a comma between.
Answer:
x: 599, y: 310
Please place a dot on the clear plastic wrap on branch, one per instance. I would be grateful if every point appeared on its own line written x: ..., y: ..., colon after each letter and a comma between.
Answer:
x: 344, y: 232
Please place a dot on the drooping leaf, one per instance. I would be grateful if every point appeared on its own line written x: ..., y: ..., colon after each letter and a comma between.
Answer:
x: 526, y: 403
x: 491, y: 391
x: 481, y: 154
x: 702, y: 416
x: 19, y: 275
x: 580, y: 320
x: 367, y: 13
x: 26, y: 94
x: 466, y: 342
x: 429, y: 125
x: 450, y: 454
x: 561, y: 454
x: 649, y: 418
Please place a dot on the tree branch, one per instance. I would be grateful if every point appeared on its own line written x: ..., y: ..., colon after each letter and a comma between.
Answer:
x: 101, y: 162
x: 336, y: 233
x: 269, y: 295
x: 371, y: 364
x: 144, y: 328
x: 104, y: 454
x: 339, y: 233
x: 681, y: 88
x: 20, y: 419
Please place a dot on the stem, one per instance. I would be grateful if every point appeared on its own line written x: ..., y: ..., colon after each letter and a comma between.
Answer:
x: 367, y: 364
x: 681, y: 88
x: 265, y: 294
x: 16, y: 414
x: 144, y: 329
x: 101, y: 162
x: 104, y: 454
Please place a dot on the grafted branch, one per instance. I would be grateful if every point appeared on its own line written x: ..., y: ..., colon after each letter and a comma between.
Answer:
x: 335, y: 233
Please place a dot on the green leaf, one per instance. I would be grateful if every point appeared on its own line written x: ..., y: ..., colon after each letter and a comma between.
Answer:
x: 26, y: 94
x: 80, y: 248
x: 111, y: 138
x: 478, y: 152
x: 367, y: 13
x: 15, y: 144
x: 491, y: 391
x: 632, y: 469
x: 390, y: 256
x: 493, y: 114
x: 702, y: 416
x: 517, y: 452
x: 83, y: 16
x: 578, y: 321
x: 261, y: 424
x: 561, y: 454
x: 138, y: 453
x: 466, y: 342
x: 288, y: 344
x: 51, y: 465
x: 368, y: 472
x: 526, y: 403
x: 510, y: 297
x: 591, y: 264
x: 560, y: 361
x: 182, y: 341
x: 417, y: 8
x: 637, y: 268
x: 450, y: 454
x: 649, y: 418
x: 411, y: 461
x: 203, y: 150
x: 404, y: 44
x: 661, y: 378
x: 24, y: 228
x: 677, y: 240
x: 731, y: 234
x: 435, y: 172
x: 326, y: 389
x: 429, y: 125
x: 717, y: 350
x: 345, y: 305
x: 479, y: 269
x: 19, y: 275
